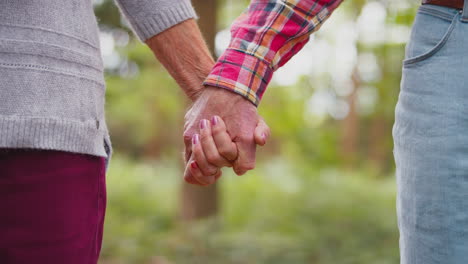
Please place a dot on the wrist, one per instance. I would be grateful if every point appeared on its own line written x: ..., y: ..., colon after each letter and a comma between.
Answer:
x: 193, y: 82
x: 231, y: 93
x: 194, y: 94
x: 228, y: 97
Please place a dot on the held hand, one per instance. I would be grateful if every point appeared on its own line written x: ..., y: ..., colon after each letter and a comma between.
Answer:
x: 210, y: 148
x: 208, y: 144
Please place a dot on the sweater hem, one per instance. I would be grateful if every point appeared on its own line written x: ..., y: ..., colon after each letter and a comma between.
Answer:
x: 54, y: 134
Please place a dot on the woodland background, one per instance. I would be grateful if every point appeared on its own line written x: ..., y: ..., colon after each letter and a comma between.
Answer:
x: 324, y: 188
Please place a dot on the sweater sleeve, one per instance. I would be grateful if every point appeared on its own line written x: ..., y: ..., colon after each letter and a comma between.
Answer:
x: 151, y: 17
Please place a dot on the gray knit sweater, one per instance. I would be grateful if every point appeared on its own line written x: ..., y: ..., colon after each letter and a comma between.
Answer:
x: 52, y: 87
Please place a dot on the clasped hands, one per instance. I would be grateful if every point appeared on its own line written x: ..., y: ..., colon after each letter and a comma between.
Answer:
x: 222, y: 129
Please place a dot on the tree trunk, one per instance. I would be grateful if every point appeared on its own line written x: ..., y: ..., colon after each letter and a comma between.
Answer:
x: 350, y: 128
x: 200, y: 202
x: 207, y: 11
x: 377, y: 142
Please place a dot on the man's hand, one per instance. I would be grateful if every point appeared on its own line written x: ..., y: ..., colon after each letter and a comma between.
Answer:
x: 242, y: 125
x: 184, y: 54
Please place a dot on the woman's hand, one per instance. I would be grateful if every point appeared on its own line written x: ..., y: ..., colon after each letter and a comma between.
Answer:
x: 213, y: 149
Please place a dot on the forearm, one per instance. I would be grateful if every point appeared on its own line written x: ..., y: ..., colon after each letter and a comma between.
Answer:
x: 183, y: 52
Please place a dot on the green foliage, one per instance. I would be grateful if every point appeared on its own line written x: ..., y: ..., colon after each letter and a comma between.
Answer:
x: 303, y: 204
x: 140, y: 208
x: 145, y: 113
x: 108, y: 14
x: 280, y: 213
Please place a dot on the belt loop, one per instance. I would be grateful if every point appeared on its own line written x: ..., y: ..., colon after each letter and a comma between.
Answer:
x: 464, y: 13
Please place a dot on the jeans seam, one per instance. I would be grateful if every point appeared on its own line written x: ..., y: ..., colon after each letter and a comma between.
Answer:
x: 97, y: 215
x: 430, y: 11
x: 436, y: 13
x: 436, y: 48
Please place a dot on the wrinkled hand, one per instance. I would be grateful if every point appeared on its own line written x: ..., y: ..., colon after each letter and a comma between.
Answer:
x: 221, y: 129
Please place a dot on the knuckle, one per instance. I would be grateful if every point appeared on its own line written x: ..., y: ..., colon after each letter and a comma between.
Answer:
x: 189, y: 180
x: 199, y: 179
x: 211, y: 171
x: 226, y: 152
x: 204, y: 136
x: 208, y: 170
x: 197, y: 154
x: 239, y: 171
x: 203, y: 182
x: 213, y: 158
x: 246, y: 138
x: 216, y: 130
x: 187, y: 137
x: 246, y: 167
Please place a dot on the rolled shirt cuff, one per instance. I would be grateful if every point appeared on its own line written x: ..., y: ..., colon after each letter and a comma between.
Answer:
x: 241, y: 73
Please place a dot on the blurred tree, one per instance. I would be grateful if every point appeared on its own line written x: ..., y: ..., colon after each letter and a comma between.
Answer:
x: 200, y: 202
x: 298, y: 206
x: 350, y: 127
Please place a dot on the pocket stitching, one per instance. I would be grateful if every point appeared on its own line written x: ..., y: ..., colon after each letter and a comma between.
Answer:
x: 433, y: 12
x: 436, y: 48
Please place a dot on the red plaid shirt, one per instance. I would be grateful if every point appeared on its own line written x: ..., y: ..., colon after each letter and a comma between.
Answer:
x: 263, y: 39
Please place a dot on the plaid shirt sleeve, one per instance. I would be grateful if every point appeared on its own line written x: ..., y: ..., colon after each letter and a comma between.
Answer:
x: 263, y: 38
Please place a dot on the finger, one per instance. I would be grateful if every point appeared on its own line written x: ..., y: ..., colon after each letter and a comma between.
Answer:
x: 198, y: 155
x: 223, y: 141
x: 209, y: 146
x: 262, y: 132
x: 198, y: 175
x: 188, y: 148
x: 246, y: 158
x: 193, y: 175
x: 189, y: 178
x: 187, y: 175
x: 187, y: 153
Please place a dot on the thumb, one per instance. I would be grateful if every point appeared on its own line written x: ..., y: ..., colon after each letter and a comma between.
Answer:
x: 246, y: 157
x: 262, y: 132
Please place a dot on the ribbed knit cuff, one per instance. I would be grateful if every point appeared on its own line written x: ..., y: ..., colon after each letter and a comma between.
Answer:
x: 149, y: 26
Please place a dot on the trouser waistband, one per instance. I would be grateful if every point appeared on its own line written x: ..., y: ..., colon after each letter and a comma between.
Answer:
x: 462, y: 5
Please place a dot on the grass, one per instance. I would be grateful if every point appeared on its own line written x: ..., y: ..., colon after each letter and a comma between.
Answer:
x: 279, y: 213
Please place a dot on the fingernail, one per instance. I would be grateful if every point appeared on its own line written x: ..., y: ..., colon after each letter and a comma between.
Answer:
x: 214, y: 120
x: 264, y: 136
x: 194, y: 165
x: 195, y: 139
x: 203, y: 124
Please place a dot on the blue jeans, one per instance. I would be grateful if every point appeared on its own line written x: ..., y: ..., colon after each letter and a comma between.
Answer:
x: 431, y: 139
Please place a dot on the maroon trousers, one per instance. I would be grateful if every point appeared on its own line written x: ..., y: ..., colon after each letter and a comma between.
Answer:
x: 52, y: 207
